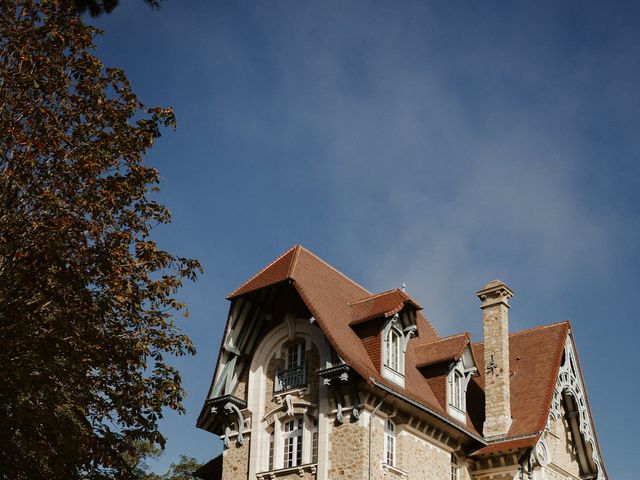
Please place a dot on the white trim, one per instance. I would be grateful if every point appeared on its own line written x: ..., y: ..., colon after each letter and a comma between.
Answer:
x: 570, y: 381
x: 392, y: 375
x: 393, y: 362
x: 270, y: 344
x: 457, y: 381
x: 390, y: 443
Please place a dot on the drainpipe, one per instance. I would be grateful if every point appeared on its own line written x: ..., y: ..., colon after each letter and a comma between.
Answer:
x: 373, y: 414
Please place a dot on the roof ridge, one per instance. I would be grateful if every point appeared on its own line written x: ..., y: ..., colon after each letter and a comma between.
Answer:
x: 294, y: 260
x: 264, y: 270
x: 442, y: 339
x: 333, y: 268
x: 532, y: 329
x: 374, y: 295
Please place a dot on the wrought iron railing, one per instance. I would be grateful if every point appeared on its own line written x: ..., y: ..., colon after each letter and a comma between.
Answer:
x: 291, y: 378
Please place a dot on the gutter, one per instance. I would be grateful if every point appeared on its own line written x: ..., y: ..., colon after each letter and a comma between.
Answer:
x: 424, y: 408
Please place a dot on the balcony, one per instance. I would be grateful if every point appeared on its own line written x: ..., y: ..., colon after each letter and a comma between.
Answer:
x: 291, y: 378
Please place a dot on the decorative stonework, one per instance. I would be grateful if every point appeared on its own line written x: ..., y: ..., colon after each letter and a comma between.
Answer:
x: 297, y: 473
x: 569, y: 382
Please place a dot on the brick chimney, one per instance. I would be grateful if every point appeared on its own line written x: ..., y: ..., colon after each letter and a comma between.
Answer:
x: 495, y: 297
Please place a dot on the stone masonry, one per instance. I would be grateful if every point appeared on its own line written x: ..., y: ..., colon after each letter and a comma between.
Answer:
x: 235, y: 460
x: 495, y: 318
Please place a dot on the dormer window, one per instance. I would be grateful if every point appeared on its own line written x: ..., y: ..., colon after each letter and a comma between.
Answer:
x: 393, y: 348
x: 457, y: 391
x: 394, y: 345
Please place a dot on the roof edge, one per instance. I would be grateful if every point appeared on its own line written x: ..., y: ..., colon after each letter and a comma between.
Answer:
x: 428, y: 410
x: 295, y: 248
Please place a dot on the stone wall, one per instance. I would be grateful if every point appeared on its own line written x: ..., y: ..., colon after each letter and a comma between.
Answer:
x: 422, y: 459
x: 416, y: 457
x: 235, y: 460
x: 347, y: 451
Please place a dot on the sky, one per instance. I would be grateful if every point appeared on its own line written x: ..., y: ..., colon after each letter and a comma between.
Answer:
x: 439, y: 144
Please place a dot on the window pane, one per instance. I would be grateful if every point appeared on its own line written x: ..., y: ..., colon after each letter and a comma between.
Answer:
x: 314, y: 447
x: 298, y: 459
x: 288, y: 452
x: 271, y: 446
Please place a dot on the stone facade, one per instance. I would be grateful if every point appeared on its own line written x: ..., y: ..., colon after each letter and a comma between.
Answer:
x: 422, y: 459
x: 348, y: 451
x: 235, y: 461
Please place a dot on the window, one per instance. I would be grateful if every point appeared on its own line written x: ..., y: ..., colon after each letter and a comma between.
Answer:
x: 393, y: 352
x: 457, y: 392
x: 271, y: 449
x: 314, y: 441
x: 295, y: 356
x: 292, y: 442
x: 457, y: 389
x: 294, y: 374
x: 389, y: 443
x: 393, y: 349
x: 454, y: 467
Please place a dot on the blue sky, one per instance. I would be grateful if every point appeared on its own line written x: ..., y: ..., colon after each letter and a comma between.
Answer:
x: 440, y: 144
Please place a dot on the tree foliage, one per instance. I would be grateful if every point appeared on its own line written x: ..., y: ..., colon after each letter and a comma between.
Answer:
x: 98, y: 7
x: 87, y: 299
x: 183, y: 470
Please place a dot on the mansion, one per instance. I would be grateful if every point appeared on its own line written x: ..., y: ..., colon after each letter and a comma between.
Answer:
x: 318, y: 378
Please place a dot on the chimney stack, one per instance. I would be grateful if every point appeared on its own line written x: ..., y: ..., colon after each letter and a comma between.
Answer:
x: 495, y: 297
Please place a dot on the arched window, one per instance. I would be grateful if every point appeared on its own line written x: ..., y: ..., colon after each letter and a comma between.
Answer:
x: 457, y: 389
x: 389, y: 443
x: 457, y: 392
x: 394, y: 350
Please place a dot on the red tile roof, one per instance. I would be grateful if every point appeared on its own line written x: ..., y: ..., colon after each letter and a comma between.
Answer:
x: 443, y: 349
x: 384, y: 304
x: 534, y: 361
x: 337, y: 303
x: 277, y: 271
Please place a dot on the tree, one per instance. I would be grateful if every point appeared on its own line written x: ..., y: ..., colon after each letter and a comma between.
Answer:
x: 183, y: 470
x: 98, y: 7
x: 87, y: 298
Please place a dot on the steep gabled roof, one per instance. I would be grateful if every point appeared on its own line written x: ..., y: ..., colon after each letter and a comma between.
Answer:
x: 444, y: 349
x: 328, y: 294
x: 277, y: 271
x: 385, y: 304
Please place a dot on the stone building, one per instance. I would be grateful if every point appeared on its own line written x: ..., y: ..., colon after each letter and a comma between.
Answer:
x: 318, y: 378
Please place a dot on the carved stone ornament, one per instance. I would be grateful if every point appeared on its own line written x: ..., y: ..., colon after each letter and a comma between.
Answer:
x: 570, y: 382
x: 541, y: 454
